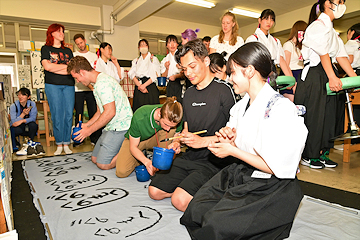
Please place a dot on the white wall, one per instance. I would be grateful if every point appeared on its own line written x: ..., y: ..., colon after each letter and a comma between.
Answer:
x: 170, y: 26
x: 124, y: 40
x: 51, y: 12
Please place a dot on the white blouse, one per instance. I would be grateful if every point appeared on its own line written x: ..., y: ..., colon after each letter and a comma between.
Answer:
x: 257, y: 130
x: 145, y: 67
x: 109, y: 68
x: 172, y: 68
x: 320, y: 39
x: 273, y: 44
x: 225, y: 46
x: 353, y: 48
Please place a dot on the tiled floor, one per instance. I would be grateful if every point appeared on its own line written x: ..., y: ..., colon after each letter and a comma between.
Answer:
x: 346, y: 176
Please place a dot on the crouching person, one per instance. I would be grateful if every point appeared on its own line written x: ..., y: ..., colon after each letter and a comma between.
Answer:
x: 113, y: 112
x: 150, y: 125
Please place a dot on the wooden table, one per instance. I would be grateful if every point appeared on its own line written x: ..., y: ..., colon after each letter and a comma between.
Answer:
x: 44, y: 106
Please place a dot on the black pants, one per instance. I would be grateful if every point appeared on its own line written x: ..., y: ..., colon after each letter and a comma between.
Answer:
x: 29, y: 129
x: 87, y: 96
x: 324, y: 115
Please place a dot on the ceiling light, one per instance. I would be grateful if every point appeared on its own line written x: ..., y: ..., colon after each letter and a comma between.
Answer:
x: 200, y: 3
x: 245, y: 13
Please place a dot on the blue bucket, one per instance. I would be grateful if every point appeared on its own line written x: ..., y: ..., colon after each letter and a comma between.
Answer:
x: 162, y: 158
x: 161, y: 81
x: 76, y: 129
x: 142, y: 174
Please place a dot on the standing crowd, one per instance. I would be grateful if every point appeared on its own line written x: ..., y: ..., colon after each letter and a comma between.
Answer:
x: 241, y: 170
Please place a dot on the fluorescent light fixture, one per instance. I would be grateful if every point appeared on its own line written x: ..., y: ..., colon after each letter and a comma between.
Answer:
x: 245, y: 13
x: 200, y: 3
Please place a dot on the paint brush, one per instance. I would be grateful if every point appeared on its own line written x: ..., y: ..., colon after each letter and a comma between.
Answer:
x: 169, y: 139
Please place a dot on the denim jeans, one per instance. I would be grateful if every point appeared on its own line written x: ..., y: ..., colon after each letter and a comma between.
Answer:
x: 61, y: 100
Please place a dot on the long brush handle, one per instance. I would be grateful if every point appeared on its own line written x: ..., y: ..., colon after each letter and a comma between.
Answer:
x: 172, y: 138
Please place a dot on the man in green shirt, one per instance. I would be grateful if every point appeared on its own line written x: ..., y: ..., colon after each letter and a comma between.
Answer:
x: 149, y: 125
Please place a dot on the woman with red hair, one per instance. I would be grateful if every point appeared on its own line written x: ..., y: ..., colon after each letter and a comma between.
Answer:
x: 59, y: 86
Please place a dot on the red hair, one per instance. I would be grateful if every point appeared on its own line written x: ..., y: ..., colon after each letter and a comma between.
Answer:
x: 49, y: 38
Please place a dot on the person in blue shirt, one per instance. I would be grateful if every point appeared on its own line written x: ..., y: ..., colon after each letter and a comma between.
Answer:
x: 23, y: 116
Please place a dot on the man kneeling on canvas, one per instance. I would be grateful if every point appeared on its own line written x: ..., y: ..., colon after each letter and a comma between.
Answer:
x: 113, y: 111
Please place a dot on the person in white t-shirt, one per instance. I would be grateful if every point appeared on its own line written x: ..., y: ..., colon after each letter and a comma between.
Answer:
x: 83, y: 93
x: 228, y: 40
x: 293, y: 57
x: 107, y: 63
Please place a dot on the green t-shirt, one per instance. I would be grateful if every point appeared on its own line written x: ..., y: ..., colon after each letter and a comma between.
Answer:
x: 143, y: 124
x: 107, y: 90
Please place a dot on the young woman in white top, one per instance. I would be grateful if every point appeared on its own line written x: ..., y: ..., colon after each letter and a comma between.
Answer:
x: 144, y: 72
x: 107, y: 63
x: 170, y: 68
x: 352, y: 47
x: 228, y: 40
x: 324, y: 116
x: 256, y: 198
x: 262, y: 34
x: 293, y: 57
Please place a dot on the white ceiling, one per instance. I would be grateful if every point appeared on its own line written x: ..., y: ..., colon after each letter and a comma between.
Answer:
x: 186, y: 12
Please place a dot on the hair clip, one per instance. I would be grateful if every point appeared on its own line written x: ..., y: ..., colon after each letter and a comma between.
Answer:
x: 318, y: 9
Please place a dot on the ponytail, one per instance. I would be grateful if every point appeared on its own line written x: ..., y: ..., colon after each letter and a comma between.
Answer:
x: 316, y: 9
x: 271, y: 79
x: 172, y: 110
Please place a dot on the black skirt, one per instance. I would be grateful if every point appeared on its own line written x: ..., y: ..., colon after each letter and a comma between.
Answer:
x: 234, y: 205
x: 140, y: 99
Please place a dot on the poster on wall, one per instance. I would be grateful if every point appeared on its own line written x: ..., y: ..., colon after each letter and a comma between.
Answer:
x: 24, y: 76
x: 25, y: 80
x: 6, y: 79
x: 37, y: 70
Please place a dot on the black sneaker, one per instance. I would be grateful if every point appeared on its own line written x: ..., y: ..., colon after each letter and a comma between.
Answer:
x: 324, y: 159
x: 39, y: 149
x: 312, y: 163
x: 31, y: 151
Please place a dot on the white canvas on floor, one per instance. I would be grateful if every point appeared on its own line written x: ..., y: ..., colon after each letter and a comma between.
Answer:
x: 80, y: 201
x: 76, y: 200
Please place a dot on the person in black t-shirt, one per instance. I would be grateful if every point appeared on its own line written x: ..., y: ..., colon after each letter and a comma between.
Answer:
x: 206, y: 106
x: 59, y: 85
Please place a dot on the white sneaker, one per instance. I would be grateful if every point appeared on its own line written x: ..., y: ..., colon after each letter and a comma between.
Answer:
x: 23, y: 151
